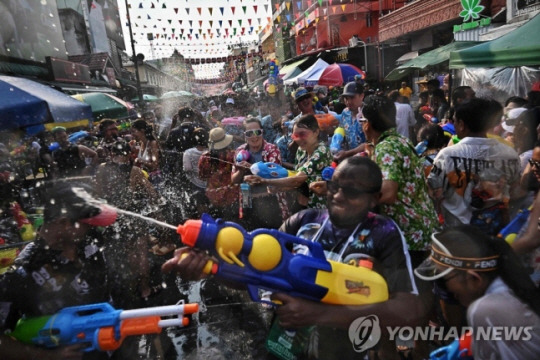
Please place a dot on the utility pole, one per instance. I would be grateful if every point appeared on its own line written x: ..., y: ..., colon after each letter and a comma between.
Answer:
x: 135, y: 60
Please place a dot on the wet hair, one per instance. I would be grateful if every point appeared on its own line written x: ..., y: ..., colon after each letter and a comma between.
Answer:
x: 185, y: 112
x: 459, y: 93
x: 251, y: 119
x: 473, y: 113
x: 380, y: 112
x: 146, y: 128
x: 494, y: 112
x: 394, y: 95
x: 370, y: 171
x: 433, y: 134
x: 308, y: 122
x: 468, y: 241
x: 519, y: 101
x: 105, y: 123
x: 121, y: 147
x: 200, y: 137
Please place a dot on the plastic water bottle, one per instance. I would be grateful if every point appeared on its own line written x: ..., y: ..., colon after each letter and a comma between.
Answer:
x: 246, y: 195
x: 421, y: 147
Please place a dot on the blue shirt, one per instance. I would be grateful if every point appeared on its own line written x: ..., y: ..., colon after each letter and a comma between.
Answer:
x: 354, y: 135
x: 283, y: 145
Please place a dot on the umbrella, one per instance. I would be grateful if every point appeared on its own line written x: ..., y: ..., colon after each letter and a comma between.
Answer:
x: 105, y: 105
x: 146, y: 97
x: 338, y: 74
x: 28, y: 104
x: 176, y: 94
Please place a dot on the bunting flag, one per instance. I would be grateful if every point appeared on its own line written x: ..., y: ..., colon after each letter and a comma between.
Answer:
x: 221, y: 9
x: 232, y: 9
x: 199, y: 10
x: 299, y: 5
x: 343, y: 7
x: 288, y: 5
x: 320, y: 2
x: 210, y: 10
x: 176, y: 10
x: 244, y: 8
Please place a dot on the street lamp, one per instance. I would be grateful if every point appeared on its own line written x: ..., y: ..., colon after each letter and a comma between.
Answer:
x: 365, y: 52
x: 135, y: 60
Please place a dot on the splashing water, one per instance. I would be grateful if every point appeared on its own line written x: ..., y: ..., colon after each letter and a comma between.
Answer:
x: 145, y: 218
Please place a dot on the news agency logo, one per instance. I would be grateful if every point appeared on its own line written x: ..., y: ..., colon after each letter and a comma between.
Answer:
x: 365, y: 333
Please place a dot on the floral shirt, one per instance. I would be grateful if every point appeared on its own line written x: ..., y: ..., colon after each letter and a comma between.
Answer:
x: 270, y: 153
x: 217, y: 173
x: 413, y: 210
x: 313, y: 166
x: 354, y: 135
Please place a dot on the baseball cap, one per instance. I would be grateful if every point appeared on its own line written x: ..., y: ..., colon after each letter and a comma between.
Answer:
x: 229, y: 101
x: 75, y: 202
x: 441, y: 262
x: 352, y: 88
x: 301, y: 93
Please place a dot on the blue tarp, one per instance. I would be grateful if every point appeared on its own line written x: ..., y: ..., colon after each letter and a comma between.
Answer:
x: 28, y: 104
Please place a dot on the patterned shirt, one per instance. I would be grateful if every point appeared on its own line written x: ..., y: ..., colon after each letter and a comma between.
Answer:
x: 270, y: 134
x: 413, y: 210
x: 270, y: 153
x: 313, y: 166
x: 283, y: 144
x: 354, y: 135
x: 217, y: 173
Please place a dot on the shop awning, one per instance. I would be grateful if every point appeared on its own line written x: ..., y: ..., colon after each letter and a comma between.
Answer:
x: 406, y: 57
x: 519, y: 47
x: 287, y: 69
x: 430, y: 58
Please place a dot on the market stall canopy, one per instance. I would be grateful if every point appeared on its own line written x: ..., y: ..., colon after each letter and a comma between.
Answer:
x: 28, y: 104
x: 105, y: 105
x: 291, y: 70
x: 407, y: 57
x: 338, y: 74
x: 519, y: 47
x: 176, y: 94
x: 430, y: 58
x: 310, y: 75
x: 146, y: 97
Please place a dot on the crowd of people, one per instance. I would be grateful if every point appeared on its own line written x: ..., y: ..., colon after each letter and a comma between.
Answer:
x: 422, y: 192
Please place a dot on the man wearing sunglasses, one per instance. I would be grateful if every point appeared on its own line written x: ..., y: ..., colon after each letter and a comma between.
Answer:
x: 349, y: 232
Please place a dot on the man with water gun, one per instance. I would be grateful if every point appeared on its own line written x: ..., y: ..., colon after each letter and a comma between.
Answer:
x: 350, y: 234
x: 63, y: 267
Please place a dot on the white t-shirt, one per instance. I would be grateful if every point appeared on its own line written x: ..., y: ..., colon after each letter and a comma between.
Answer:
x: 500, y: 308
x: 404, y: 118
x: 191, y: 166
x: 457, y: 168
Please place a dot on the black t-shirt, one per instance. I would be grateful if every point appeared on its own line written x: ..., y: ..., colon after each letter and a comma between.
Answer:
x: 68, y: 161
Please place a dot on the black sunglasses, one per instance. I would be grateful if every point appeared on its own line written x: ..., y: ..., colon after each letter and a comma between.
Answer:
x: 251, y: 133
x: 535, y: 164
x: 349, y: 192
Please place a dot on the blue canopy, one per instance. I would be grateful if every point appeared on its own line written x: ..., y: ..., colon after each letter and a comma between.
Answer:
x: 28, y: 104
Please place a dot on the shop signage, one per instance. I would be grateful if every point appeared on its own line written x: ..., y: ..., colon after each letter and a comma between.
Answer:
x: 342, y: 56
x: 67, y: 71
x: 471, y: 11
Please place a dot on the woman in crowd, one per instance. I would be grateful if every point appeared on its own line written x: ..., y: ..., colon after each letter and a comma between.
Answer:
x: 215, y: 167
x: 262, y: 212
x: 148, y: 155
x: 485, y: 276
x: 311, y: 158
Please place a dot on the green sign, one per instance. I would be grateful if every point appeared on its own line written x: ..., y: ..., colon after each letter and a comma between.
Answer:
x: 471, y: 10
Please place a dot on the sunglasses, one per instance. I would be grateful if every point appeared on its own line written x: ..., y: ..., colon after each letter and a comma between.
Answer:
x: 349, y: 192
x: 252, y: 133
x: 300, y: 135
x: 534, y: 164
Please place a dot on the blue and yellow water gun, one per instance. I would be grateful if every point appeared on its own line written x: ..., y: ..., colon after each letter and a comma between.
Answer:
x: 268, y: 170
x: 99, y: 326
x: 261, y: 259
x: 510, y: 231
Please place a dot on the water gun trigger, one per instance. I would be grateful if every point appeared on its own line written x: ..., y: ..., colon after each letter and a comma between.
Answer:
x: 230, y: 257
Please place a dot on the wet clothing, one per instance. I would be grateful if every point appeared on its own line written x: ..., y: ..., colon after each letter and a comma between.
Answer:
x: 191, y: 167
x: 68, y: 161
x: 486, y: 313
x: 282, y: 143
x: 264, y: 212
x: 457, y: 169
x: 215, y: 167
x: 269, y: 131
x: 413, y: 209
x: 377, y: 238
x: 313, y: 165
x: 354, y: 135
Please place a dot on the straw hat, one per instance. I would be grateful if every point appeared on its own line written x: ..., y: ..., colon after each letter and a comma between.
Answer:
x: 218, y: 139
